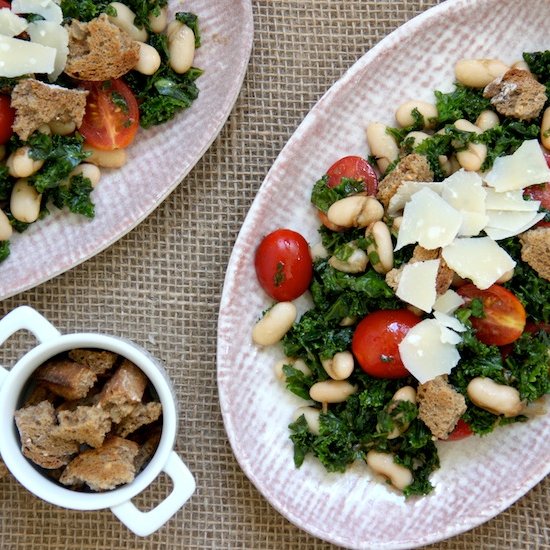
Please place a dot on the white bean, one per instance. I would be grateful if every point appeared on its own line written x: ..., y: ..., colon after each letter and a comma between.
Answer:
x: 382, y: 145
x: 274, y: 324
x: 522, y: 65
x: 356, y: 263
x: 60, y: 128
x: 149, y: 59
x: 44, y: 129
x: 298, y: 364
x: 477, y: 73
x: 348, y: 321
x: 384, y: 465
x: 380, y: 250
x: 21, y: 165
x: 318, y: 252
x: 311, y: 414
x: 90, y: 171
x: 487, y: 119
x: 181, y: 46
x: 404, y: 116
x: 6, y: 229
x: 406, y: 393
x: 25, y: 201
x: 124, y: 20
x: 106, y: 159
x: 340, y: 366
x: 493, y: 397
x: 545, y: 128
x: 474, y: 155
x: 158, y: 22
x: 417, y: 137
x: 355, y: 211
x: 331, y: 391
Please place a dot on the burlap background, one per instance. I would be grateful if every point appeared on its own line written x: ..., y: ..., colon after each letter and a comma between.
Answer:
x: 160, y: 286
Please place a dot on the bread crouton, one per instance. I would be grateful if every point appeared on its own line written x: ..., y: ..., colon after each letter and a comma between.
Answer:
x: 87, y: 425
x: 99, y: 50
x: 440, y: 406
x: 38, y: 442
x: 98, y: 361
x: 147, y: 449
x: 517, y: 94
x: 413, y: 167
x: 103, y: 468
x: 38, y: 394
x: 66, y: 378
x: 535, y: 250
x: 142, y: 414
x: 37, y: 103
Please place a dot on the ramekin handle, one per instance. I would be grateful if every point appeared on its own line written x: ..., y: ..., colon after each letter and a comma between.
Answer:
x: 145, y: 523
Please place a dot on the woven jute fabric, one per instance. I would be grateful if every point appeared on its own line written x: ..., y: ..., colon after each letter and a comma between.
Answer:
x: 161, y: 284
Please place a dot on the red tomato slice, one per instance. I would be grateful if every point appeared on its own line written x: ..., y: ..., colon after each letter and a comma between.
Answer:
x: 356, y: 168
x: 112, y: 115
x: 540, y: 193
x: 283, y: 265
x: 461, y: 431
x: 7, y: 116
x: 376, y: 339
x: 505, y: 316
x: 4, y: 4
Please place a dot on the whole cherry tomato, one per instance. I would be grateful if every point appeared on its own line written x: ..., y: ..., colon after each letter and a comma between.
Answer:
x: 376, y: 340
x: 283, y: 265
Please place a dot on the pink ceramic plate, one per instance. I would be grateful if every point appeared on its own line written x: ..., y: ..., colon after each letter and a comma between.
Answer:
x: 158, y: 159
x: 479, y: 477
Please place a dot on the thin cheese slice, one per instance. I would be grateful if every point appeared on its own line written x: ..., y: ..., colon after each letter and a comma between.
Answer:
x: 448, y: 302
x: 10, y: 23
x: 448, y: 336
x: 55, y: 36
x: 497, y: 233
x: 417, y: 284
x: 527, y: 166
x: 405, y: 192
x: 429, y: 221
x: 509, y: 200
x: 19, y: 57
x: 423, y: 352
x: 479, y: 259
x: 449, y: 321
x: 510, y: 220
x: 48, y: 9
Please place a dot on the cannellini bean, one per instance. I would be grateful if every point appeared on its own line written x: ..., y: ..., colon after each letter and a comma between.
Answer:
x: 356, y: 263
x: 181, y: 46
x: 90, y: 171
x: 298, y: 364
x: 417, y: 137
x: 340, y: 366
x: 106, y: 159
x: 445, y: 164
x: 311, y: 414
x: 158, y: 22
x: 60, y: 128
x: 25, y: 201
x: 477, y: 73
x: 149, y: 59
x: 522, y: 65
x: 495, y: 398
x: 355, y: 211
x: 274, y: 324
x: 396, y: 223
x: 545, y: 128
x: 331, y: 391
x: 474, y: 155
x: 348, y: 321
x: 380, y: 249
x: 487, y: 119
x: 384, y: 465
x: 124, y: 20
x: 318, y: 252
x: 404, y: 116
x: 382, y: 145
x: 6, y: 229
x: 406, y: 393
x: 44, y: 129
x: 21, y: 165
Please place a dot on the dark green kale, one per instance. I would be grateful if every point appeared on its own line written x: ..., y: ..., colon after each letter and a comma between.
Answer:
x: 302, y: 438
x: 4, y: 250
x: 399, y: 134
x: 297, y: 382
x: 192, y: 21
x: 75, y: 196
x: 332, y: 240
x: 6, y: 183
x: 18, y: 226
x: 323, y: 196
x: 462, y: 102
x: 539, y: 65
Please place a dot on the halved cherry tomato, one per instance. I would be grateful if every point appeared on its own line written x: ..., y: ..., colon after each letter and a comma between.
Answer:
x: 7, y: 116
x: 461, y: 431
x: 4, y: 4
x: 112, y: 115
x: 283, y: 265
x: 504, y: 315
x: 376, y: 340
x: 540, y: 193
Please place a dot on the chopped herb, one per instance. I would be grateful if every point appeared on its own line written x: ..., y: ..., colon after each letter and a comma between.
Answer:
x: 279, y: 277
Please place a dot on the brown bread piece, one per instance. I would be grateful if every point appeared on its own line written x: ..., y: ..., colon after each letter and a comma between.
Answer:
x: 98, y: 361
x: 39, y: 394
x: 99, y: 50
x: 37, y: 103
x: 87, y: 425
x: 517, y: 94
x: 143, y: 414
x: 440, y: 406
x: 535, y: 250
x: 103, y: 468
x: 36, y: 425
x: 147, y: 449
x: 66, y: 378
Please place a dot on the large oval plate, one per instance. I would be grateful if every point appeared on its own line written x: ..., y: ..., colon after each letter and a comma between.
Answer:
x: 158, y: 159
x: 479, y: 477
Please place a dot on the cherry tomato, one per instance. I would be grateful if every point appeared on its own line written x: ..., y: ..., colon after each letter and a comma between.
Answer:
x: 356, y: 168
x: 504, y: 315
x: 376, y: 339
x: 7, y: 116
x: 4, y: 4
x: 461, y: 431
x: 283, y: 265
x: 112, y: 115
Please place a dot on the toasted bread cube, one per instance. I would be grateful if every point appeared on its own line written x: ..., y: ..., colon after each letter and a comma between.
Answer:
x: 87, y: 425
x: 98, y: 361
x: 66, y: 378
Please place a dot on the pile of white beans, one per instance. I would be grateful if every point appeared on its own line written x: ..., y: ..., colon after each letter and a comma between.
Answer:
x: 25, y: 200
x: 361, y: 211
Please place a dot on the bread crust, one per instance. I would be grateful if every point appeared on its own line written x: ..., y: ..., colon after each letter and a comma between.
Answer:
x: 98, y: 361
x: 66, y: 378
x: 85, y: 425
x: 141, y: 415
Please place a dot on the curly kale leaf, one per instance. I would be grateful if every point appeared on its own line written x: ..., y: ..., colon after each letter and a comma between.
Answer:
x: 297, y: 382
x: 75, y: 196
x: 539, y: 65
x: 323, y: 196
x: 4, y: 250
x: 83, y: 10
x: 192, y: 21
x: 462, y: 102
x: 6, y: 183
